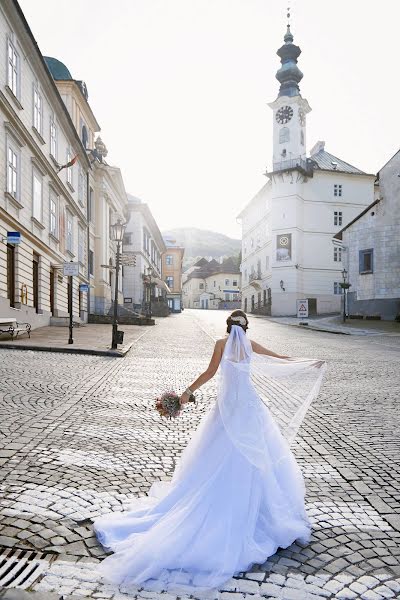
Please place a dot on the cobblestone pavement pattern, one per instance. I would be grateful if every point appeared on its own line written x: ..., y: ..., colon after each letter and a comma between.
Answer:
x: 80, y: 437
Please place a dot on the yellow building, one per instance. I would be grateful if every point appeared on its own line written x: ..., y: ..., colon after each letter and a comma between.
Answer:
x: 172, y: 274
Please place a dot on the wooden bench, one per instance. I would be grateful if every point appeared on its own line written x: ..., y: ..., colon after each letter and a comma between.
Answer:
x: 12, y: 327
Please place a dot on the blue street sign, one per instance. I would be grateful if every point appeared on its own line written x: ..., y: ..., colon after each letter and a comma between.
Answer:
x: 13, y: 237
x: 83, y: 287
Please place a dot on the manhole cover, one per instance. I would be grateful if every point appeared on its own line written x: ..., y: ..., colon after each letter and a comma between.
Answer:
x: 20, y: 568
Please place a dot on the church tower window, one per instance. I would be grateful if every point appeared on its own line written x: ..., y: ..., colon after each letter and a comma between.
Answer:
x: 284, y: 135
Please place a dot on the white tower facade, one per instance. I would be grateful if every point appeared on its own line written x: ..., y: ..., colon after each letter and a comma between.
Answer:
x: 306, y: 201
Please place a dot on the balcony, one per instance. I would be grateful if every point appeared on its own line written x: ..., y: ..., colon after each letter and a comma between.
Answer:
x: 304, y: 166
x: 255, y: 280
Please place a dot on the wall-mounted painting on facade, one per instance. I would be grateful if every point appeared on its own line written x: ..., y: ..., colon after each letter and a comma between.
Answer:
x: 284, y: 247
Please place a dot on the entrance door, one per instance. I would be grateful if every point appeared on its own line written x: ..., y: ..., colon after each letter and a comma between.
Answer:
x: 11, y: 274
x: 35, y: 281
x: 52, y: 292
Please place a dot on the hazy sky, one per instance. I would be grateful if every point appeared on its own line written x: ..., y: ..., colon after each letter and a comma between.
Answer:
x: 180, y: 89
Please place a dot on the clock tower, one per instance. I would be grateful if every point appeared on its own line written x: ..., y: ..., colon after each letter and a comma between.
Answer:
x: 289, y: 109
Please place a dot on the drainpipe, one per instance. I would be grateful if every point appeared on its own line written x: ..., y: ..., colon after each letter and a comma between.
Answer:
x: 88, y: 239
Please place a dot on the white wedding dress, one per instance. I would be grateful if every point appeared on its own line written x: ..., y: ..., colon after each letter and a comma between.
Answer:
x: 237, y: 493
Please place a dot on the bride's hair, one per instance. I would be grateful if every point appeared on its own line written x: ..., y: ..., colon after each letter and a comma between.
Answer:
x: 238, y: 317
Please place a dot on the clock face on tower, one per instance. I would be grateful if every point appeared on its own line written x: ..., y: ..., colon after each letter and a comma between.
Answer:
x: 302, y: 117
x: 284, y: 114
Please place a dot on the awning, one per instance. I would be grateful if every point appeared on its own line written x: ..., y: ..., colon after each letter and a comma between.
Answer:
x: 161, y: 284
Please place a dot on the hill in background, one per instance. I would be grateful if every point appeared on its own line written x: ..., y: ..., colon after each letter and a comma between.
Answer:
x: 203, y: 243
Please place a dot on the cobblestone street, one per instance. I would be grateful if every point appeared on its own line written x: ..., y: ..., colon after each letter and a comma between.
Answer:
x: 80, y: 437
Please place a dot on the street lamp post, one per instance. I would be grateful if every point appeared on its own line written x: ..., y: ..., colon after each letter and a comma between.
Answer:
x: 118, y: 230
x: 345, y: 286
x: 149, y: 274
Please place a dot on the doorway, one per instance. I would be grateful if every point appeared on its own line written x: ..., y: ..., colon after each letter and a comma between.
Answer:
x: 35, y: 281
x: 11, y: 274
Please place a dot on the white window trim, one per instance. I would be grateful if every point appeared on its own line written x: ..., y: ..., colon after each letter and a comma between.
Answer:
x: 53, y: 138
x: 70, y: 173
x: 14, y: 148
x: 36, y: 174
x: 56, y: 198
x: 69, y: 218
x: 37, y: 109
x: 15, y: 90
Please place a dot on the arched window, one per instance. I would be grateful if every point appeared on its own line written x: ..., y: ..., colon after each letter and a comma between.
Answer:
x: 284, y: 135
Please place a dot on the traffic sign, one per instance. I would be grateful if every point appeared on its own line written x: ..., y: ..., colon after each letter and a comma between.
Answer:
x: 83, y: 287
x: 13, y: 237
x: 70, y: 269
x: 302, y: 308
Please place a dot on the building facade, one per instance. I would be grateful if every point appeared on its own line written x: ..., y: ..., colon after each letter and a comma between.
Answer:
x: 48, y: 206
x: 172, y: 260
x: 287, y: 227
x: 212, y: 285
x: 144, y: 280
x: 371, y: 247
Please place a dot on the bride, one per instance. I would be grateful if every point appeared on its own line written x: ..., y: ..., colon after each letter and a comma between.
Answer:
x: 237, y: 494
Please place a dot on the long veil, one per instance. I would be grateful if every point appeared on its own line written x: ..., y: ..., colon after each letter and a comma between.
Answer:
x: 286, y: 388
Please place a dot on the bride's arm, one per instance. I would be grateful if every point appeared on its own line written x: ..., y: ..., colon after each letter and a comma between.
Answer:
x: 261, y: 350
x: 208, y: 373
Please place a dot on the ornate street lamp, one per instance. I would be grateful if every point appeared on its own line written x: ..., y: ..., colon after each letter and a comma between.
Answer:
x: 149, y: 273
x: 117, y: 234
x: 345, y: 286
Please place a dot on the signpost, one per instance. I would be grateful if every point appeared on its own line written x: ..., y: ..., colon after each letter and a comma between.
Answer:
x: 302, y: 309
x: 83, y: 287
x: 70, y: 269
x: 13, y: 237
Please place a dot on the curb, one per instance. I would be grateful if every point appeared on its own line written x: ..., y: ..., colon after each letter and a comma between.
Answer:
x: 91, y: 351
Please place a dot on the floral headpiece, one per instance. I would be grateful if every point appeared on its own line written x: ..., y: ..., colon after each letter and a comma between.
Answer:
x: 240, y: 320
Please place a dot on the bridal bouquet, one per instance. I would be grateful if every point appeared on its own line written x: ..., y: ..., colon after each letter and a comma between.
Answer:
x: 168, y: 404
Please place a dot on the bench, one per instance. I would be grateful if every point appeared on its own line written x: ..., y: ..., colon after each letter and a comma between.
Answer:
x: 12, y: 327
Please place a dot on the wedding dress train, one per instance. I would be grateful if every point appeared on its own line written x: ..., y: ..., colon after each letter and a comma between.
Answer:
x: 236, y: 495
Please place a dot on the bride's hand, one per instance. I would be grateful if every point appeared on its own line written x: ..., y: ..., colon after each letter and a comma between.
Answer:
x: 183, y: 399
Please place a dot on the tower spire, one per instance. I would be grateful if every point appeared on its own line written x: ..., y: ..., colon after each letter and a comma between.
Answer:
x: 289, y: 74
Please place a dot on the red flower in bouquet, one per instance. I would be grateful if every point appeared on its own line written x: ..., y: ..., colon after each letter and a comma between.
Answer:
x: 168, y: 405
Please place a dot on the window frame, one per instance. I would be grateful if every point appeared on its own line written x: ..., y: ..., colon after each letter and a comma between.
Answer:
x: 69, y: 174
x: 15, y: 80
x: 11, y: 147
x: 338, y: 190
x: 36, y: 175
x: 337, y: 254
x: 361, y: 257
x: 53, y: 138
x: 69, y: 232
x: 53, y: 215
x: 336, y: 286
x: 37, y: 98
x: 337, y: 218
x: 169, y: 260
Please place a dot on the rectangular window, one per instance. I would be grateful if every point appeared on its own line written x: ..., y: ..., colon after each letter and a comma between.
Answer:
x: 37, y: 208
x: 91, y: 262
x: 337, y: 254
x: 169, y: 260
x: 53, y: 214
x: 226, y: 281
x: 201, y: 286
x: 69, y: 232
x: 13, y: 69
x: 227, y: 297
x: 267, y: 262
x: 37, y: 110
x: 81, y: 186
x: 53, y: 138
x: 234, y: 283
x: 337, y: 217
x: 337, y: 190
x: 127, y: 239
x: 170, y: 281
x: 336, y: 288
x: 12, y: 172
x: 366, y: 261
x: 81, y: 245
x: 69, y: 169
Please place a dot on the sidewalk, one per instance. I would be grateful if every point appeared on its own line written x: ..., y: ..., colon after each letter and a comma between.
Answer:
x: 88, y: 339
x: 334, y: 324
